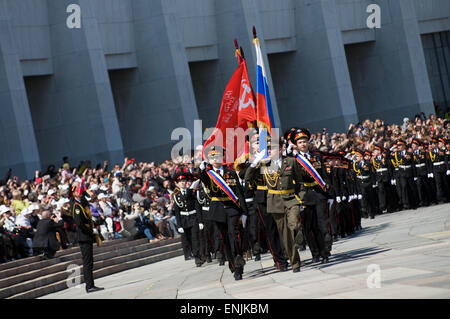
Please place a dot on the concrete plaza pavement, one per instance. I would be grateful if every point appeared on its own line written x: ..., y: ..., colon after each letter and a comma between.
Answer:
x: 400, y: 255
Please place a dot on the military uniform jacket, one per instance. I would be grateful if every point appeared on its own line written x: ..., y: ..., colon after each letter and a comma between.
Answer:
x: 339, y: 180
x: 381, y: 169
x: 405, y: 163
x: 328, y: 179
x: 204, y: 200
x: 258, y: 183
x: 436, y: 161
x: 420, y: 163
x: 284, y: 184
x: 364, y: 174
x: 83, y: 219
x: 186, y: 208
x: 221, y: 205
x: 249, y: 191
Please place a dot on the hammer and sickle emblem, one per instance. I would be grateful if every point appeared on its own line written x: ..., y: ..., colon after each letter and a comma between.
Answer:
x: 242, y: 101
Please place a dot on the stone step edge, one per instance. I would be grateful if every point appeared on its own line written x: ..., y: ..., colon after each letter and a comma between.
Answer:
x: 62, y: 285
x: 51, y: 278
x: 14, y: 271
x: 36, y: 273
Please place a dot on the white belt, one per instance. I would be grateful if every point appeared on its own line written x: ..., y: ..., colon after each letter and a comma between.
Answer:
x: 405, y: 166
x: 438, y: 163
x: 205, y: 208
x: 192, y: 212
x: 382, y: 170
x: 363, y: 177
x: 249, y: 200
x: 420, y: 165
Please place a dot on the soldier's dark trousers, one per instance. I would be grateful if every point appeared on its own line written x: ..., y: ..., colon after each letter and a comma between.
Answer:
x: 87, y: 255
x: 382, y: 195
x: 333, y: 216
x: 186, y: 246
x: 345, y: 218
x: 193, y: 238
x: 423, y: 190
x: 407, y: 191
x: 272, y: 235
x: 442, y: 189
x: 210, y: 242
x: 231, y: 240
x: 368, y: 199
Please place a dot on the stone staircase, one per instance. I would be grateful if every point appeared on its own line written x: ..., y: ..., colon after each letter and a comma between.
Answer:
x: 32, y: 278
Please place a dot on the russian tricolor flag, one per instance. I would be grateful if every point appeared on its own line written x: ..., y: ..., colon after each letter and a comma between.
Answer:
x: 264, y: 114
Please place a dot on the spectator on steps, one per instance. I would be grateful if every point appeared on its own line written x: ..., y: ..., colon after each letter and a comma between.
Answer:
x: 45, y: 241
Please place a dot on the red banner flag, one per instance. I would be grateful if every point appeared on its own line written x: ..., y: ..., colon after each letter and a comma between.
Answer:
x: 237, y: 114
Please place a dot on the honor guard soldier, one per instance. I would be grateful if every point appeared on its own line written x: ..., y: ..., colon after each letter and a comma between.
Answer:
x: 438, y: 168
x: 328, y: 163
x: 364, y: 182
x: 279, y: 174
x: 188, y: 215
x: 420, y: 173
x: 86, y: 233
x: 314, y: 216
x: 227, y: 206
x: 209, y: 236
x: 342, y: 197
x: 405, y: 165
x: 382, y: 178
x: 270, y: 229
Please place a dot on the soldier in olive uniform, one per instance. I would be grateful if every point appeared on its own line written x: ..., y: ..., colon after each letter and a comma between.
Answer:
x: 85, y: 233
x: 224, y: 211
x: 279, y: 174
x: 269, y: 227
x: 188, y: 216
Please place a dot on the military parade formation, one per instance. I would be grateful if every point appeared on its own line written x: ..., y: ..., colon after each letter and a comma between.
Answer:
x: 282, y: 203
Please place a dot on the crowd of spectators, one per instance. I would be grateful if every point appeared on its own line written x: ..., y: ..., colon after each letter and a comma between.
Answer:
x: 134, y: 199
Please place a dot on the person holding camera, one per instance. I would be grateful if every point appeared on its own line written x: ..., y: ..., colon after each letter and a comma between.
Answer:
x: 45, y: 242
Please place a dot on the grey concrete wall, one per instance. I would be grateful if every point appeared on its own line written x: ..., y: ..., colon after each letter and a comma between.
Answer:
x: 17, y: 139
x: 389, y: 75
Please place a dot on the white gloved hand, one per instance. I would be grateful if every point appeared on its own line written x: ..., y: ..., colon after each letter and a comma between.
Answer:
x: 359, y: 196
x: 290, y: 149
x: 415, y: 178
x: 338, y: 199
x: 393, y: 182
x: 181, y: 230
x: 448, y: 172
x: 258, y: 158
x: 200, y: 226
x: 431, y: 175
x: 243, y: 220
x: 344, y: 198
x: 203, y: 165
x: 95, y: 231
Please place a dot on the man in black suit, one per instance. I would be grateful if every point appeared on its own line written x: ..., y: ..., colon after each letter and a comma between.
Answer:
x: 224, y: 211
x: 86, y: 234
x: 45, y: 241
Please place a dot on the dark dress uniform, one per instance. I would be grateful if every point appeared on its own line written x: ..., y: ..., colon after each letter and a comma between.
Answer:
x: 421, y: 178
x: 365, y: 182
x: 315, y: 214
x: 341, y: 190
x: 188, y: 212
x: 382, y: 181
x: 406, y: 178
x: 226, y: 214
x: 438, y: 166
x: 210, y: 238
x: 271, y: 233
x: 331, y: 197
x: 86, y: 237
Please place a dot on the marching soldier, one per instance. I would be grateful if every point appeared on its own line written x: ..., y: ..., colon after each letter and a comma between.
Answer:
x: 315, y: 200
x: 364, y: 182
x: 209, y: 236
x: 420, y: 173
x: 227, y: 207
x: 188, y: 216
x: 86, y: 232
x: 382, y: 178
x: 407, y: 185
x: 329, y: 162
x: 438, y: 168
x: 269, y: 226
x: 279, y: 174
x: 342, y: 197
